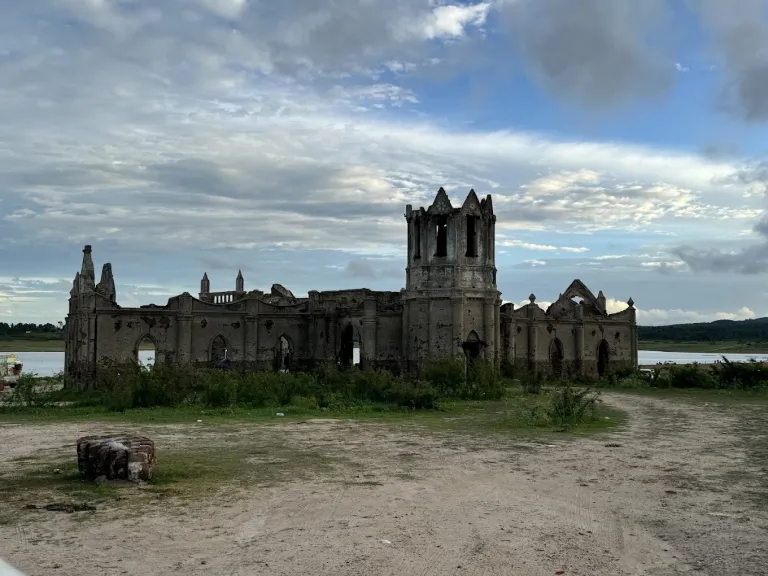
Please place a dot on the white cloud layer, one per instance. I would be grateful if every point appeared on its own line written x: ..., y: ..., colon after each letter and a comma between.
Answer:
x: 200, y: 131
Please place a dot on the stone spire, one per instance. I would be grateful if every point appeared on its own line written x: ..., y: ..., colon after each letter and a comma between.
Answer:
x: 205, y: 284
x: 601, y: 299
x: 107, y: 283
x: 87, y: 271
x: 239, y: 282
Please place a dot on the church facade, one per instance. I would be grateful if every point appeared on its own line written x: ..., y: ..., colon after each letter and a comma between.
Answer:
x: 450, y: 306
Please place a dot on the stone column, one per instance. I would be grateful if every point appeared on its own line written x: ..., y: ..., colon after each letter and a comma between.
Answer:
x: 635, y: 363
x: 251, y: 346
x: 533, y: 345
x: 457, y: 307
x: 92, y: 359
x: 497, y: 331
x: 489, y: 329
x: 509, y: 353
x: 183, y: 338
x: 369, y: 342
x: 431, y: 332
x: 405, y: 341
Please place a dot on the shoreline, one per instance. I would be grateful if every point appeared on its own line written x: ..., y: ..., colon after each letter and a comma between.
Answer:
x: 724, y: 347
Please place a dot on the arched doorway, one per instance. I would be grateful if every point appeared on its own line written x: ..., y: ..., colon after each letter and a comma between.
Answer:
x: 283, y: 354
x: 145, y: 352
x: 349, y: 352
x: 603, y: 357
x: 218, y: 350
x: 556, y: 357
x: 473, y: 347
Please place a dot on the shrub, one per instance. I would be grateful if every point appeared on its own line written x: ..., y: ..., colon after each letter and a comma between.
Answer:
x: 448, y: 376
x: 30, y: 391
x: 570, y: 407
x: 532, y: 382
x: 751, y: 375
x: 690, y: 376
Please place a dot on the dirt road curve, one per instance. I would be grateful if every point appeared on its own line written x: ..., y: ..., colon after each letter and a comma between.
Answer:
x: 680, y: 494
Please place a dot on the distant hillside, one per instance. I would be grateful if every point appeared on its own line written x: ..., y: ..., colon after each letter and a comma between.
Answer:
x: 755, y: 330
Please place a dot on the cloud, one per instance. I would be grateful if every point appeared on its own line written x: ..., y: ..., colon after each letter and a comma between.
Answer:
x: 740, y: 39
x: 281, y: 137
x: 595, y: 53
x: 359, y: 269
x: 749, y: 259
x: 540, y: 247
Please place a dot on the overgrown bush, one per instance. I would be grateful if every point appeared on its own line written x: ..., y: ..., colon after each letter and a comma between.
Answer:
x: 452, y: 378
x: 31, y: 391
x: 571, y: 406
x: 532, y: 382
x: 751, y: 375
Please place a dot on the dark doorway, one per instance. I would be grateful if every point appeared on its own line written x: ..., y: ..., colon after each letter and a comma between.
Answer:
x: 218, y: 350
x: 349, y: 354
x: 603, y: 357
x: 282, y: 354
x: 473, y: 348
x: 556, y: 357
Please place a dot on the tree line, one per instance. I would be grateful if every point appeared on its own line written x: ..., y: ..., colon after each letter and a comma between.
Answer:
x: 755, y: 330
x: 31, y: 331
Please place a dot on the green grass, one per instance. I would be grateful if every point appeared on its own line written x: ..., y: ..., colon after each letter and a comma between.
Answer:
x: 31, y: 345
x: 517, y: 411
x: 699, y: 395
x: 723, y: 347
x: 180, y: 475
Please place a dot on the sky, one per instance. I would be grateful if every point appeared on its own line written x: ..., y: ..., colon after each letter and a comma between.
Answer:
x: 625, y: 143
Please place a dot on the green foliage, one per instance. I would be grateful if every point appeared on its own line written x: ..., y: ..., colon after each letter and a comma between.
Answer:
x: 452, y: 378
x: 750, y: 375
x: 726, y: 375
x: 719, y: 330
x: 532, y: 382
x: 165, y: 385
x: 30, y: 392
x: 570, y: 406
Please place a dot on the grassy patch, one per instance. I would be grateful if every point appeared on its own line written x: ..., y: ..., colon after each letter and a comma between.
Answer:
x: 515, y: 412
x: 699, y: 395
x: 732, y: 347
x: 180, y: 474
x: 31, y: 345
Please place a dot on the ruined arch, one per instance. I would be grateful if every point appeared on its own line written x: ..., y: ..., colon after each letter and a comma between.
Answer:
x: 217, y: 351
x: 284, y: 353
x: 556, y: 357
x: 603, y: 357
x: 147, y: 358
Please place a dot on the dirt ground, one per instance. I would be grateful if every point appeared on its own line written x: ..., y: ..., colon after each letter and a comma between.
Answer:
x: 681, y: 489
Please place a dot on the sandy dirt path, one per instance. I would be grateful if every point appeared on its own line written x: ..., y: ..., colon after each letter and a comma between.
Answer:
x: 676, y: 491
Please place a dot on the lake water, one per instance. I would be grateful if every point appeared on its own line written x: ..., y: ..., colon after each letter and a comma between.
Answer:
x: 50, y: 363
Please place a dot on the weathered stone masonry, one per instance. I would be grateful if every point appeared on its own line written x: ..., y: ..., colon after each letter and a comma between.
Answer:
x: 450, y: 306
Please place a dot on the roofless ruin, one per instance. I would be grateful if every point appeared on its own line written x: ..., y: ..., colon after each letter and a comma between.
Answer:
x: 450, y: 306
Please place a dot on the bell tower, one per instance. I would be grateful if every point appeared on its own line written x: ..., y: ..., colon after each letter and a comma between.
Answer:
x: 451, y: 305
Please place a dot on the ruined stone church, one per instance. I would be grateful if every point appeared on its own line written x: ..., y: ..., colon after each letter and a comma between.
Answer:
x: 450, y: 306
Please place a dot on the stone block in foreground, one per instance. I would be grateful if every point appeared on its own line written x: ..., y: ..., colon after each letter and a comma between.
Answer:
x: 130, y: 458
